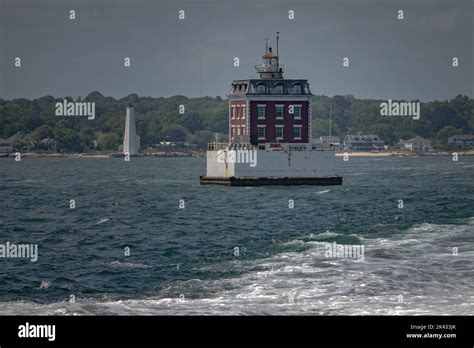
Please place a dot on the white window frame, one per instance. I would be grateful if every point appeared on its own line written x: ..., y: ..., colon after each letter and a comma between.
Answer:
x: 297, y: 127
x: 299, y: 107
x: 259, y: 106
x: 243, y: 108
x: 264, y: 132
x: 282, y: 132
x: 282, y: 107
x: 232, y: 107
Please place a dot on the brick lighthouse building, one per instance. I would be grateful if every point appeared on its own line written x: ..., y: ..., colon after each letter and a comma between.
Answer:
x: 270, y: 134
x: 270, y: 109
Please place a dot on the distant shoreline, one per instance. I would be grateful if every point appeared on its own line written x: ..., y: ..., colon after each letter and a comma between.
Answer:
x: 102, y: 154
x: 402, y: 153
x: 340, y: 153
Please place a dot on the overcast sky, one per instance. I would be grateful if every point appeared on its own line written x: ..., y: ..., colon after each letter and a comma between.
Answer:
x: 389, y: 58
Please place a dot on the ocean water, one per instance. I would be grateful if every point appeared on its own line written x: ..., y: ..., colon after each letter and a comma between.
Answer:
x: 184, y: 261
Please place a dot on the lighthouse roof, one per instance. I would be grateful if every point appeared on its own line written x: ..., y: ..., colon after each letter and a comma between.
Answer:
x: 269, y: 54
x: 270, y: 87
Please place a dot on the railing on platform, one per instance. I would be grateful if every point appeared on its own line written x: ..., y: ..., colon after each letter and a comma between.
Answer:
x: 271, y: 147
x: 217, y: 146
x: 231, y: 146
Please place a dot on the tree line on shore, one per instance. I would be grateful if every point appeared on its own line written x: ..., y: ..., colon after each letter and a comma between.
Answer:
x: 205, y: 119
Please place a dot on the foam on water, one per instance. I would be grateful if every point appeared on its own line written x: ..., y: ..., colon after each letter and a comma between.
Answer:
x: 322, y: 192
x: 284, y: 270
x: 121, y: 264
x: 101, y: 221
x: 304, y: 282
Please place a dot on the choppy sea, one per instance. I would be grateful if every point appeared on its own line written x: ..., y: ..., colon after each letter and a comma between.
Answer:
x: 240, y: 250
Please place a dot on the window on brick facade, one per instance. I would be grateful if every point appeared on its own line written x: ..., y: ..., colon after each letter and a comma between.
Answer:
x: 261, y: 132
x: 297, y: 111
x: 279, y: 111
x: 279, y: 132
x: 261, y: 111
x: 297, y: 133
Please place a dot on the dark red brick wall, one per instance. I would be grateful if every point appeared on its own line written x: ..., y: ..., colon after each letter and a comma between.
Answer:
x: 271, y: 121
x: 238, y: 120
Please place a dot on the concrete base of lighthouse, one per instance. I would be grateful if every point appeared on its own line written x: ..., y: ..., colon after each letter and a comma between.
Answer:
x: 269, y: 181
x: 290, y: 165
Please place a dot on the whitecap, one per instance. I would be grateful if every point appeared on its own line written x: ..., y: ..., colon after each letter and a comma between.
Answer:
x: 45, y: 285
x: 128, y: 264
x: 101, y: 221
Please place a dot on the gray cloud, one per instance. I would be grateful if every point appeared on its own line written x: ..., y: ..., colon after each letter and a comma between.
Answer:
x: 408, y: 59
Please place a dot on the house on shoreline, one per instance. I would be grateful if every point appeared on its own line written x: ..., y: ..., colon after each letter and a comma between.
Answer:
x: 363, y: 142
x: 463, y: 140
x: 19, y: 141
x: 415, y: 144
x: 6, y: 145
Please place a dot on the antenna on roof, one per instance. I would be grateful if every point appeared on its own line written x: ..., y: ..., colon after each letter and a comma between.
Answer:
x: 266, y: 44
x: 278, y: 36
x: 330, y: 119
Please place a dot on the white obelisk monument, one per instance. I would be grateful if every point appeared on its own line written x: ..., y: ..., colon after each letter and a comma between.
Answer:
x: 131, y: 141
